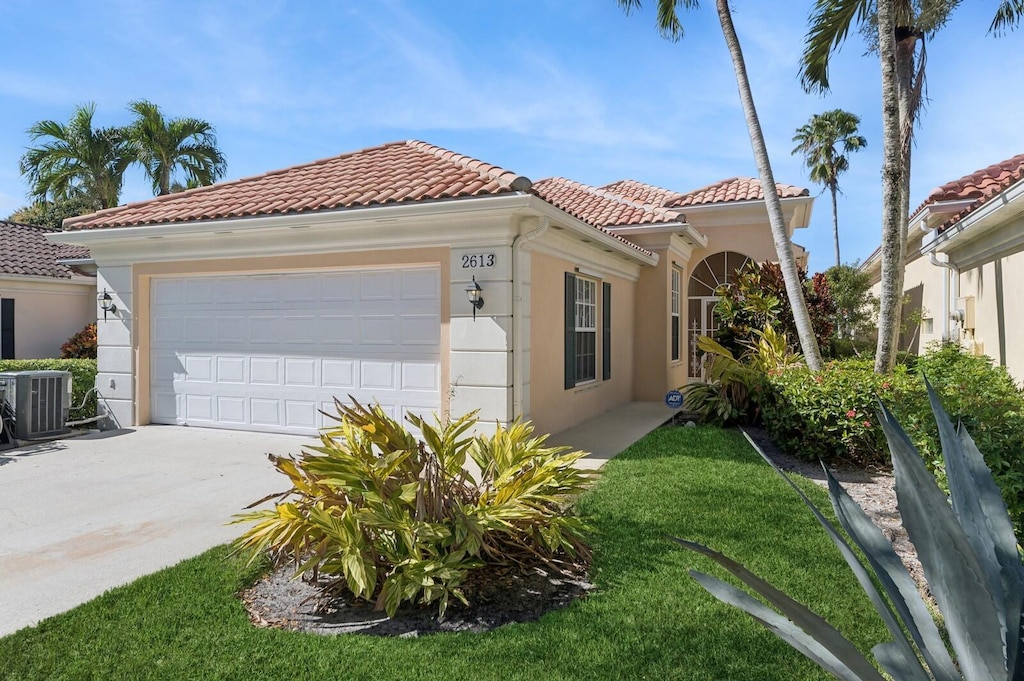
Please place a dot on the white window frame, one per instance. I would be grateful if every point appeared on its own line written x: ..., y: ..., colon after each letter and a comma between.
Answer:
x: 585, y: 309
x: 674, y: 318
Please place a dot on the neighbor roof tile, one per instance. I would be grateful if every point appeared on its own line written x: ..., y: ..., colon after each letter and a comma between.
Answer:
x: 26, y: 252
x: 981, y: 185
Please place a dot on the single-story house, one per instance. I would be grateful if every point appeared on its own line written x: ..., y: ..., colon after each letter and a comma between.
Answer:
x: 47, y: 293
x: 252, y: 304
x: 965, y: 266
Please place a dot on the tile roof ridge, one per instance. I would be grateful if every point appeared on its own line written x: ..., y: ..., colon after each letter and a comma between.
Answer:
x: 620, y: 198
x: 670, y: 194
x: 505, y: 178
x: 175, y: 196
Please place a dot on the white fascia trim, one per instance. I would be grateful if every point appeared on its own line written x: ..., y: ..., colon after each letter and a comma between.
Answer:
x: 933, y: 215
x: 982, y: 218
x: 271, y: 223
x: 756, y: 209
x: 596, y: 236
x: 687, y: 231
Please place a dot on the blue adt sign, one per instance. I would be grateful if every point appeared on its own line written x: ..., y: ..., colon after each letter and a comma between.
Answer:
x: 674, y: 399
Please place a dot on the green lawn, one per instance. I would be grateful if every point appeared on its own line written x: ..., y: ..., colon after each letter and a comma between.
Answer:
x: 647, y: 620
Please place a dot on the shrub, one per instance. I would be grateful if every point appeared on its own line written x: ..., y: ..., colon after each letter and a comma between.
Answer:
x: 392, y: 518
x: 83, y: 378
x: 82, y: 345
x: 725, y: 397
x: 984, y: 397
x: 829, y: 415
x: 970, y: 558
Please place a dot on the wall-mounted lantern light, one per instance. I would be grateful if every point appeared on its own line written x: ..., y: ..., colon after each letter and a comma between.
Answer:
x: 473, y: 291
x: 106, y: 303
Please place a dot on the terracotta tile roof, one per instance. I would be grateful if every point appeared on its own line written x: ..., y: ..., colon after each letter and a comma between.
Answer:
x: 398, y: 172
x: 26, y: 252
x: 643, y: 193
x: 981, y: 185
x: 734, y: 189
x: 600, y: 207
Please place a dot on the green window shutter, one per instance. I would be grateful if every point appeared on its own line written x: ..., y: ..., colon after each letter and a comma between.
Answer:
x: 606, y: 331
x: 570, y: 330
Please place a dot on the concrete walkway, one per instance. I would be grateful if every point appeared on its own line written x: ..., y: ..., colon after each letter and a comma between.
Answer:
x: 83, y: 515
x: 609, y: 434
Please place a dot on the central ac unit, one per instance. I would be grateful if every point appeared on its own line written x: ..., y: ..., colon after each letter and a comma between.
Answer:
x: 39, y: 400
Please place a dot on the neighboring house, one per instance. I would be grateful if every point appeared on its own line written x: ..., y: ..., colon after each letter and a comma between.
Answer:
x: 46, y: 292
x: 965, y: 266
x: 252, y: 304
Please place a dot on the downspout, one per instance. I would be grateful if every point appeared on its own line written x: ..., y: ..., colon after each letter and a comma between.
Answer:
x: 518, y: 369
x: 954, y: 273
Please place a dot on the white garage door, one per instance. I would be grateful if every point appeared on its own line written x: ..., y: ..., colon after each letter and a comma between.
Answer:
x: 268, y: 352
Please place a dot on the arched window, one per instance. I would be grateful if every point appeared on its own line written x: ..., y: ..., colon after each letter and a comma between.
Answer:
x: 710, y: 273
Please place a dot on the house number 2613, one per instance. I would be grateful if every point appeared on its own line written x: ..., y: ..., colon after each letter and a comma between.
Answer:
x: 477, y: 261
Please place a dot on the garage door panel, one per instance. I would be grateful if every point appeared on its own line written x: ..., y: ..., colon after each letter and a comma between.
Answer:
x: 269, y: 352
x: 265, y: 370
x: 300, y: 372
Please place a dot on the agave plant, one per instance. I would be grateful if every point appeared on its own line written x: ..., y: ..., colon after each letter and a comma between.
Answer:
x: 970, y: 558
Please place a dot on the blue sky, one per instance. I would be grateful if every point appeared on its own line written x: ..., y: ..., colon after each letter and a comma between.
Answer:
x: 572, y: 88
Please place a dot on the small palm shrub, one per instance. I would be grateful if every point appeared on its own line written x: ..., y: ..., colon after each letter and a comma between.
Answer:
x: 394, y: 518
x: 970, y: 557
x: 725, y: 396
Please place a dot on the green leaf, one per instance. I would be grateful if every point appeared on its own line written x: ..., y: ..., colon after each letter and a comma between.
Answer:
x: 979, y: 507
x: 804, y: 618
x: 802, y: 641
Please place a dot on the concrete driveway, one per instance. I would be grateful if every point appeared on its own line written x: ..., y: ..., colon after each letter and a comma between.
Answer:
x: 82, y: 515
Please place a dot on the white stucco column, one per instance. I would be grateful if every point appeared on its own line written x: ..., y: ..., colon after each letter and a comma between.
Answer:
x: 481, y: 349
x: 115, y: 377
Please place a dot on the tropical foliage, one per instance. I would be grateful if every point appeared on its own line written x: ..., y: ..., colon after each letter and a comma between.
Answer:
x: 897, y: 32
x: 74, y: 160
x: 671, y: 27
x: 162, y: 146
x: 393, y: 518
x: 970, y: 558
x: 826, y: 142
x: 52, y: 213
x: 757, y: 297
x: 855, y: 306
x: 830, y: 415
x: 77, y: 168
x: 82, y: 345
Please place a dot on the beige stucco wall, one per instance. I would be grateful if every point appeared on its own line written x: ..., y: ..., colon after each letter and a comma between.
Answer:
x: 552, y: 407
x: 143, y: 274
x: 998, y: 290
x: 47, y: 313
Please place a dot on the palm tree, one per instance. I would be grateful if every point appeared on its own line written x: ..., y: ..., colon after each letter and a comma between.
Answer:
x: 76, y: 161
x: 903, y: 26
x: 818, y: 140
x: 162, y: 146
x: 671, y: 27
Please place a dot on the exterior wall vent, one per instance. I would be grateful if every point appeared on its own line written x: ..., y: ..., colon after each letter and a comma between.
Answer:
x: 38, y: 400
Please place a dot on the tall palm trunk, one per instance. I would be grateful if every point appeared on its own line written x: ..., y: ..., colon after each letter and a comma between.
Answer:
x: 835, y: 221
x: 783, y: 245
x: 893, y: 232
